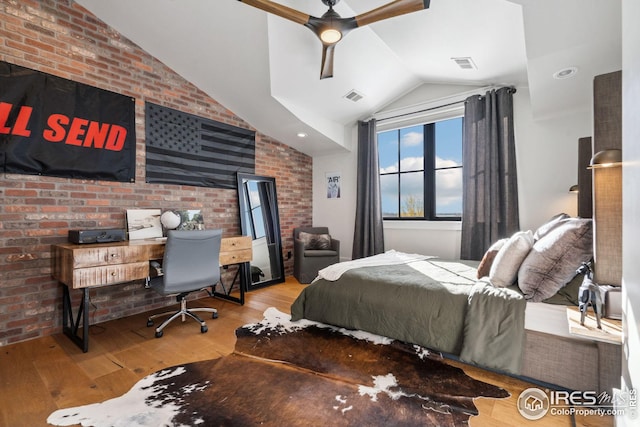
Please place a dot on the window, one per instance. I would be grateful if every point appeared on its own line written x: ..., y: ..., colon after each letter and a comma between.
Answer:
x: 254, y: 215
x: 421, y: 171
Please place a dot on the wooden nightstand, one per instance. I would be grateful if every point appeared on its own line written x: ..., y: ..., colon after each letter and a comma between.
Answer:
x: 611, y: 331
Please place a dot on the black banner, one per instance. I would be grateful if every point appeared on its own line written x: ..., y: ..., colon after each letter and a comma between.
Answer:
x: 189, y: 150
x: 58, y: 127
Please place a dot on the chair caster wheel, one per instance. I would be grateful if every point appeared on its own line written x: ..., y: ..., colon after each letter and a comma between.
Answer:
x: 149, y: 323
x: 214, y: 315
x: 159, y: 334
x: 203, y: 329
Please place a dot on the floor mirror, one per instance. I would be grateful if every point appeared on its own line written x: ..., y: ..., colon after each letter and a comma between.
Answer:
x: 259, y: 218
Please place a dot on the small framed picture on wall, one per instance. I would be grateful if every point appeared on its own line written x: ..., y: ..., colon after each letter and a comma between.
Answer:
x: 333, y: 185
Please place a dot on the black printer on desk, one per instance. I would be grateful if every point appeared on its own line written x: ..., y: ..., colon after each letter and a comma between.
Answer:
x: 97, y: 236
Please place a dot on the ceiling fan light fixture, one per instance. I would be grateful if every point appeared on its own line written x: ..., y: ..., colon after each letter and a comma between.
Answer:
x: 330, y: 36
x: 330, y: 28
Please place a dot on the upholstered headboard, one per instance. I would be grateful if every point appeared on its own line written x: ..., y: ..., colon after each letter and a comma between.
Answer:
x: 607, y: 182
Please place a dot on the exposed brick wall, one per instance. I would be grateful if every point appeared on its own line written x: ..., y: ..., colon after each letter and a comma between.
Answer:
x: 61, y: 38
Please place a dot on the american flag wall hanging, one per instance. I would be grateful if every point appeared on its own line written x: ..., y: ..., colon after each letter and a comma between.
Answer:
x: 185, y: 149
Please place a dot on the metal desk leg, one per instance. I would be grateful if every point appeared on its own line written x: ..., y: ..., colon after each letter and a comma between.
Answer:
x: 243, y: 273
x: 70, y: 325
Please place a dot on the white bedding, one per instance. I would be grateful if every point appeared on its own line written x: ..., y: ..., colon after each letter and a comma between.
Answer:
x: 390, y: 257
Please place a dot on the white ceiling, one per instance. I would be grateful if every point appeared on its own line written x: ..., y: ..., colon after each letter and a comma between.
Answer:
x: 266, y: 69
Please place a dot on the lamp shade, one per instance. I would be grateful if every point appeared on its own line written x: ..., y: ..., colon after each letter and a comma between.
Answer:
x: 606, y: 159
x: 574, y: 189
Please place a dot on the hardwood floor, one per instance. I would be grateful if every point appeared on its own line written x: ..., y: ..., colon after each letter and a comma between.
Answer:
x: 40, y: 376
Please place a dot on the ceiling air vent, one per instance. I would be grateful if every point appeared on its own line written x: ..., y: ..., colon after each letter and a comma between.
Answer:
x: 466, y: 63
x: 354, y: 96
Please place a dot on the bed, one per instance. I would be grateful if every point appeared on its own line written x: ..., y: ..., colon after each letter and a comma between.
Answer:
x: 506, y: 313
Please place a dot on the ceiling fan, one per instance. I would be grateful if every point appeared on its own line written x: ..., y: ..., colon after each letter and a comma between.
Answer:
x: 331, y: 28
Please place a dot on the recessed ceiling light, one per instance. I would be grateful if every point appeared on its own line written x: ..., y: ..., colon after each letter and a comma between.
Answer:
x: 302, y: 135
x: 565, y: 73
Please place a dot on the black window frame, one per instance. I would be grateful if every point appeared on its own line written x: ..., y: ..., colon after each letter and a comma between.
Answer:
x: 429, y: 175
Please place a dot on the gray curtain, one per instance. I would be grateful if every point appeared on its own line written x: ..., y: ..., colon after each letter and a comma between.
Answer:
x: 490, y: 189
x: 368, y: 237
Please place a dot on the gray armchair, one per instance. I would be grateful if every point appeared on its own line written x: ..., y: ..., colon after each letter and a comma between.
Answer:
x: 191, y: 263
x: 312, y: 251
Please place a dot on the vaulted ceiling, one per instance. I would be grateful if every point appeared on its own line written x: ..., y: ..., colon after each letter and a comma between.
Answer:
x: 266, y: 69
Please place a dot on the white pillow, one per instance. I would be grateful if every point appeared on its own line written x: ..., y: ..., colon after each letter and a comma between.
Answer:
x: 504, y: 270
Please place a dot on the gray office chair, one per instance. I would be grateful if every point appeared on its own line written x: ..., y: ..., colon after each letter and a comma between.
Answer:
x: 191, y: 263
x: 307, y: 259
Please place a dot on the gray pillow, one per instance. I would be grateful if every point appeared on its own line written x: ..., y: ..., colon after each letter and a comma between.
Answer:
x: 553, y: 261
x: 545, y: 228
x: 315, y: 241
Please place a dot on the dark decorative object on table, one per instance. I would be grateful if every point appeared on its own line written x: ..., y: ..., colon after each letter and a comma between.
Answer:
x: 589, y: 294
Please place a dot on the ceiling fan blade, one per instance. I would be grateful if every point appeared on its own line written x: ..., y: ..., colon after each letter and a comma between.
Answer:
x: 279, y: 10
x: 327, y: 61
x: 390, y: 10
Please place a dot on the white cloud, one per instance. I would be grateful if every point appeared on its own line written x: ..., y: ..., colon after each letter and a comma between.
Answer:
x: 412, y: 163
x: 448, y: 183
x: 412, y: 138
x: 390, y: 169
x: 448, y: 179
x: 449, y: 188
x: 445, y: 163
x: 406, y: 164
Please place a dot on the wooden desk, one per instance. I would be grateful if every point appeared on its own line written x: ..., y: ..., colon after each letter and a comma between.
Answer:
x: 102, y: 264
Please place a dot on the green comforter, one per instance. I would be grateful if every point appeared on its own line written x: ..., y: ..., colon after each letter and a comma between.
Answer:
x: 433, y: 303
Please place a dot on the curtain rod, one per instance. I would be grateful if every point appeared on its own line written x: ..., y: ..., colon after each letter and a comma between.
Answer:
x: 467, y: 94
x: 420, y: 111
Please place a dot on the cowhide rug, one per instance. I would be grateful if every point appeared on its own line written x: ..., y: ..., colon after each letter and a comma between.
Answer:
x: 304, y: 373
